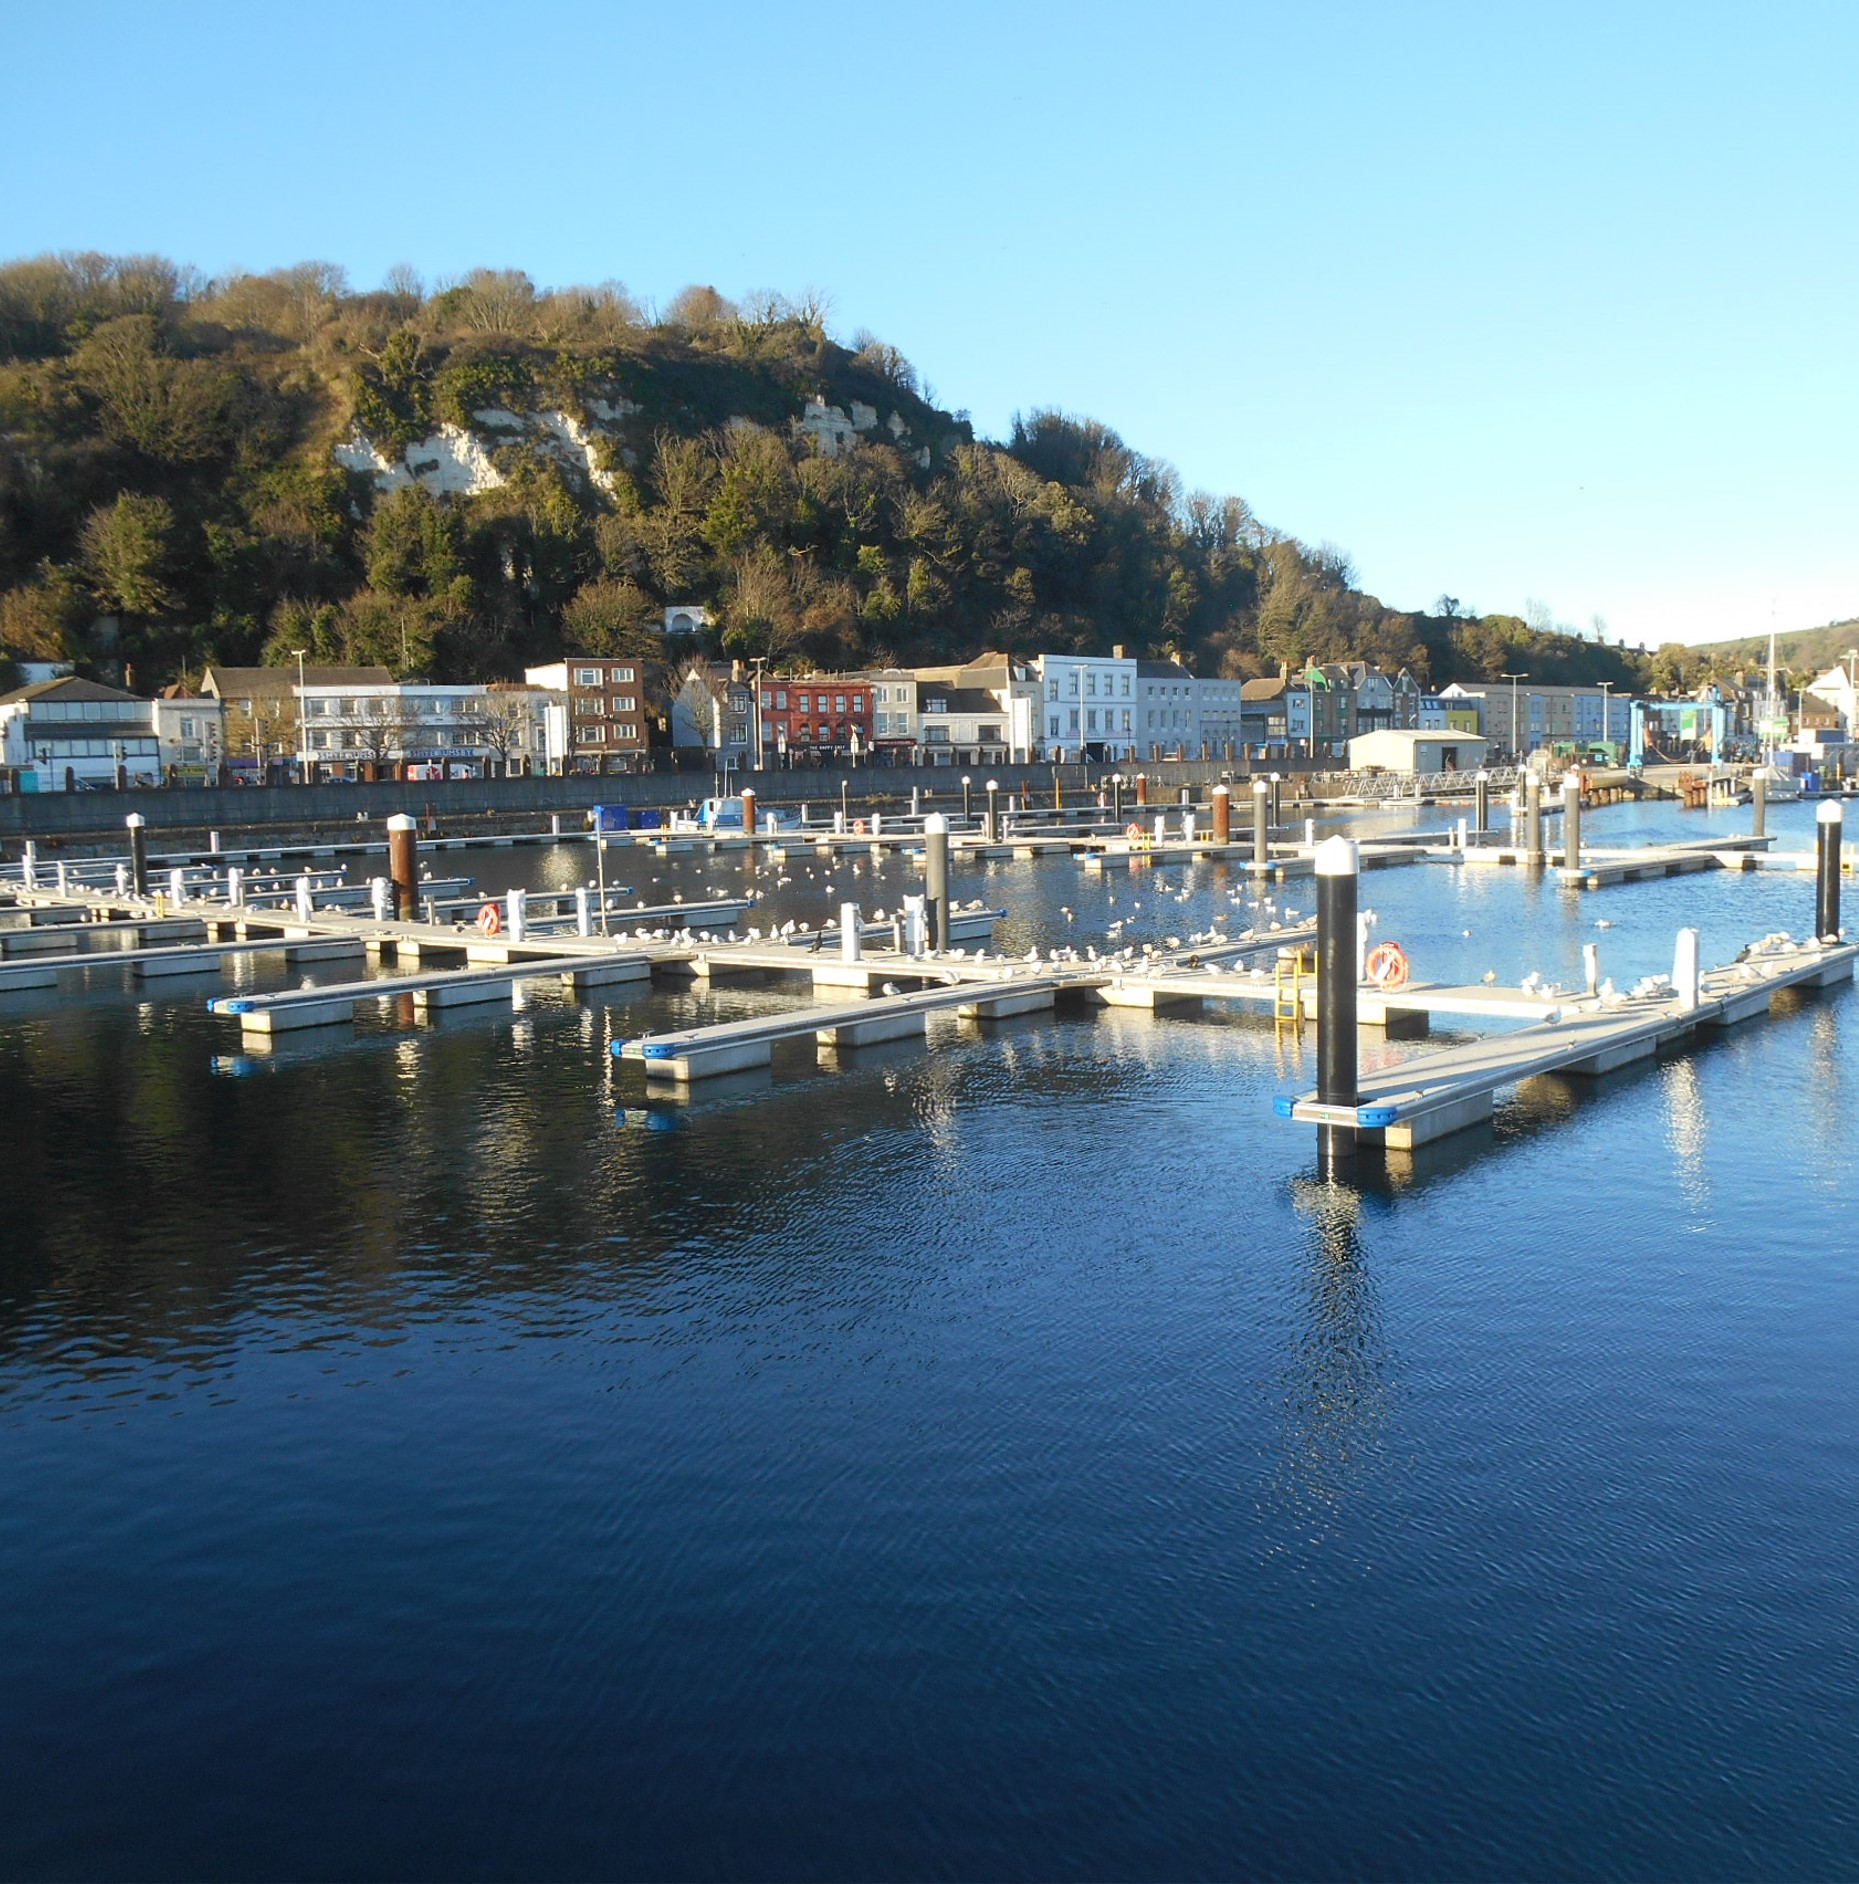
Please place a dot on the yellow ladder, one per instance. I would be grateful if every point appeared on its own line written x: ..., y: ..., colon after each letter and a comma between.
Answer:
x: 1295, y: 967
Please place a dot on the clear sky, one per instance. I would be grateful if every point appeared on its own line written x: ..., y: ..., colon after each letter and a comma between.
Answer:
x: 1510, y: 301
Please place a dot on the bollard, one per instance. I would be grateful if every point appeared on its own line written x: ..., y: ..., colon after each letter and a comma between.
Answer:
x: 1571, y: 823
x: 1460, y: 835
x: 583, y: 916
x: 213, y: 841
x: 235, y: 887
x: 403, y: 864
x: 1828, y: 820
x: 1685, y: 969
x: 138, y: 854
x: 916, y: 927
x: 1481, y: 802
x: 122, y: 879
x: 748, y: 814
x: 1142, y: 788
x: 381, y: 898
x: 1591, y: 966
x: 916, y: 801
x: 1161, y: 827
x: 1533, y: 820
x: 1759, y: 804
x: 1185, y: 796
x: 1187, y: 827
x: 1223, y: 815
x: 851, y: 926
x: 516, y: 906
x: 877, y: 824
x: 177, y: 887
x: 306, y: 903
x: 1310, y: 832
x: 64, y: 878
x: 1337, y: 866
x: 555, y: 824
x: 1365, y: 921
x: 936, y: 879
x: 839, y: 824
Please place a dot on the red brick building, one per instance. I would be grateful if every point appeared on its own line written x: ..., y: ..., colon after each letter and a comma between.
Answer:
x: 814, y: 717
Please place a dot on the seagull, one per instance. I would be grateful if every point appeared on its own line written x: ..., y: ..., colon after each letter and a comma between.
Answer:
x: 1601, y: 922
x: 1489, y: 977
x: 890, y: 987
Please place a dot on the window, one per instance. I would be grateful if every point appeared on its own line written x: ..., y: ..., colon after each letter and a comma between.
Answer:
x: 839, y: 703
x: 1052, y: 730
x: 627, y: 729
x: 1090, y: 683
x: 1126, y: 719
x: 188, y: 730
x: 1090, y: 720
x: 1052, y: 692
x: 622, y: 673
x: 590, y: 735
x: 319, y: 739
x: 781, y: 698
x: 1074, y: 719
x: 587, y: 676
x: 858, y: 703
x: 625, y: 703
x: 801, y: 703
x: 1126, y: 686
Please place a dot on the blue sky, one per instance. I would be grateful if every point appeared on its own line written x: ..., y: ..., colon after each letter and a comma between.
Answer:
x: 1512, y: 303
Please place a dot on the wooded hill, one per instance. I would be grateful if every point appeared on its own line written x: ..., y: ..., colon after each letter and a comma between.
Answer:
x: 169, y: 463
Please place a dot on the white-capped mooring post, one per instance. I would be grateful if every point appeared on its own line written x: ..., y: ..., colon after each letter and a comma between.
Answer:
x: 1338, y: 865
x: 403, y: 864
x: 851, y: 932
x: 1828, y: 823
x: 936, y: 880
x: 1222, y: 804
x: 138, y: 854
x: 1481, y: 800
x: 1571, y: 822
x: 1261, y: 822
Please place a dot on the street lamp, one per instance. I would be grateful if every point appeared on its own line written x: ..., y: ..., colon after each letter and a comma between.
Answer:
x: 303, y: 738
x: 1516, y: 742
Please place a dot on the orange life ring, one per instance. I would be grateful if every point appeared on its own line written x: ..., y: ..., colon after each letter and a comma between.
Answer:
x: 1386, y: 966
x: 490, y: 919
x: 1134, y: 832
x: 858, y: 826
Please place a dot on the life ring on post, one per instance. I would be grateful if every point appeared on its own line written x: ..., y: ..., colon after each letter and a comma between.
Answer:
x: 858, y: 827
x: 490, y: 919
x: 1386, y: 966
x: 1134, y: 832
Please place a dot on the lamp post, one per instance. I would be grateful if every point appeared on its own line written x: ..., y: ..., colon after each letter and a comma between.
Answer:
x: 303, y: 738
x: 1516, y: 738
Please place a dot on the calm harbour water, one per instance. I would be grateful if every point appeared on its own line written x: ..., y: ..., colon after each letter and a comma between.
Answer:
x: 421, y: 1455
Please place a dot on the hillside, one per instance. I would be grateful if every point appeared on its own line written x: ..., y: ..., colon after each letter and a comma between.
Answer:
x: 1805, y: 651
x: 463, y: 481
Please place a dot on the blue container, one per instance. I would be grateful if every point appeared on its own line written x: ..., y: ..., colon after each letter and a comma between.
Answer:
x: 612, y: 817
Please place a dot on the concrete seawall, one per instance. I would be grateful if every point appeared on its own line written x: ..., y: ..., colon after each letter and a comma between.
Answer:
x: 182, y: 808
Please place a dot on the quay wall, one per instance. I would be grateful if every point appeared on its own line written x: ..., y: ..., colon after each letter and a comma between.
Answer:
x: 53, y: 815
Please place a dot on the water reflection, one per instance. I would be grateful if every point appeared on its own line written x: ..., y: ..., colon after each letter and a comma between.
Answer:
x: 1334, y: 1407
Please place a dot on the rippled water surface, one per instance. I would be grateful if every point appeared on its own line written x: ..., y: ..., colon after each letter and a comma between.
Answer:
x: 421, y: 1453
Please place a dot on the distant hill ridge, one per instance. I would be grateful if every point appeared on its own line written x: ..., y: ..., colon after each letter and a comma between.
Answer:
x: 1799, y: 651
x: 466, y: 480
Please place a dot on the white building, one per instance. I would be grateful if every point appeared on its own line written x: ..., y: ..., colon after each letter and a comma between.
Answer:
x: 190, y: 734
x: 431, y: 730
x: 1088, y: 706
x: 1168, y: 719
x: 1397, y: 749
x: 72, y: 734
x: 1837, y: 689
